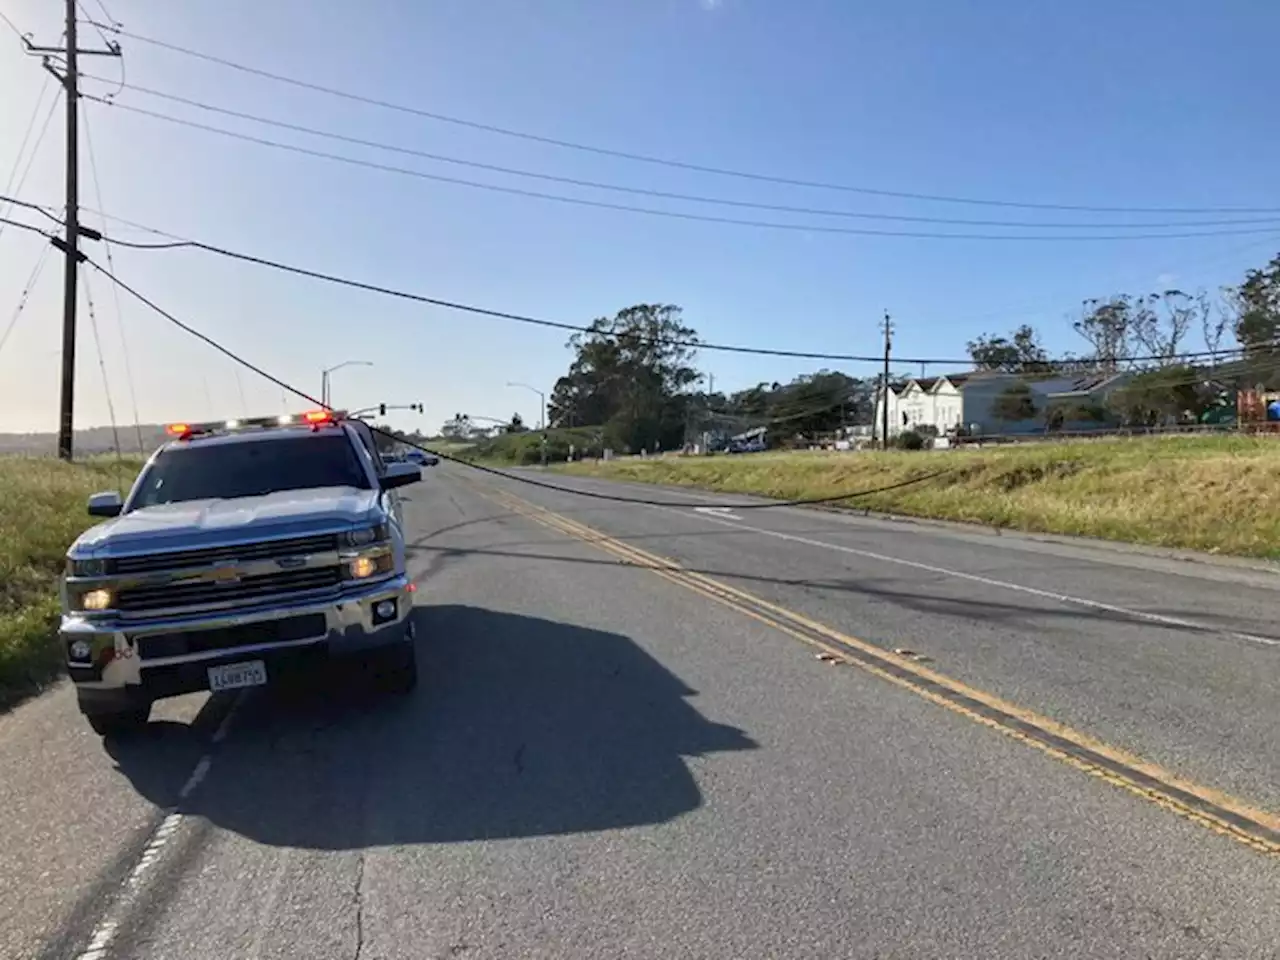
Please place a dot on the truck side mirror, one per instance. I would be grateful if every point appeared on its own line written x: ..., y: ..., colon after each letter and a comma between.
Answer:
x: 400, y: 474
x: 105, y: 504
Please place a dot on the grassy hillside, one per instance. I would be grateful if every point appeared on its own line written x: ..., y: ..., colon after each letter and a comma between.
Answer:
x: 41, y: 512
x: 1218, y: 494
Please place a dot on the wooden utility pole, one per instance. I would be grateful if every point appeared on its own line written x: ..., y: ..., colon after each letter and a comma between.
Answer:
x: 884, y: 407
x: 70, y: 244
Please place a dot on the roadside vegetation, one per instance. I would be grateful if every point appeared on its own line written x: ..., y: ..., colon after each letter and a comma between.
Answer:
x: 525, y: 448
x: 41, y: 512
x: 1218, y: 494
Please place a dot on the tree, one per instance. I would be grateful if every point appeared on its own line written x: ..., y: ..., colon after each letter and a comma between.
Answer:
x: 1014, y: 403
x: 1169, y: 394
x: 1214, y: 321
x: 810, y: 404
x: 1108, y: 326
x: 1060, y: 415
x: 516, y: 425
x: 1160, y: 322
x: 631, y: 373
x: 1256, y: 305
x: 1020, y: 353
x: 458, y: 428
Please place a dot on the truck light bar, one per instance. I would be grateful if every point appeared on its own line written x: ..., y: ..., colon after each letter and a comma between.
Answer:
x: 311, y: 418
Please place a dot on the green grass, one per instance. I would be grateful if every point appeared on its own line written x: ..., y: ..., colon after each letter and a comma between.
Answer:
x: 450, y: 448
x: 525, y: 449
x: 1217, y: 494
x: 41, y: 511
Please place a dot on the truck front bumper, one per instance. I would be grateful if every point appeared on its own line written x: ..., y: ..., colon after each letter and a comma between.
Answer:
x: 132, y: 663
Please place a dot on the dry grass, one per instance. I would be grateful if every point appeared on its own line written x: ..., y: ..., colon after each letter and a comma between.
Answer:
x: 42, y: 510
x: 1216, y: 494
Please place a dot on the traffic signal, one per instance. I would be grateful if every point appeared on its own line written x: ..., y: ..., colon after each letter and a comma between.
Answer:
x: 382, y: 409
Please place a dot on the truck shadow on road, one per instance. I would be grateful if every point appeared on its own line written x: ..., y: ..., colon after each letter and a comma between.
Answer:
x: 520, y: 727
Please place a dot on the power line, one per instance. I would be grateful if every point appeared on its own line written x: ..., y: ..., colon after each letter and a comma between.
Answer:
x: 1012, y: 311
x: 642, y: 191
x: 25, y: 295
x: 1196, y: 377
x: 46, y: 210
x: 121, y: 83
x: 668, y: 214
x: 26, y: 135
x: 115, y: 291
x: 14, y: 27
x: 663, y: 161
x: 590, y: 494
x: 11, y: 186
x: 93, y: 23
x: 102, y: 362
x: 469, y: 308
x: 9, y: 222
x: 572, y: 327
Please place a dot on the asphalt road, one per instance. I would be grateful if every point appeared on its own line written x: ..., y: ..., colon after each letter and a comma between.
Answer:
x: 604, y: 761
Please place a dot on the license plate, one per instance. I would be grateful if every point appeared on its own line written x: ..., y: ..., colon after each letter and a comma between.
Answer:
x: 231, y: 676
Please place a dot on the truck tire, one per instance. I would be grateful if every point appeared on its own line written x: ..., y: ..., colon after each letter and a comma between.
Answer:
x: 397, y: 669
x: 119, y: 724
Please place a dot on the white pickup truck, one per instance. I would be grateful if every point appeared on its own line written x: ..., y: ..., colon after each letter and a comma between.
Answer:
x: 244, y: 549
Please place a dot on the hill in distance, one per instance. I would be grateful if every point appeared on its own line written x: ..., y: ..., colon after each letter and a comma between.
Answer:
x: 87, y: 442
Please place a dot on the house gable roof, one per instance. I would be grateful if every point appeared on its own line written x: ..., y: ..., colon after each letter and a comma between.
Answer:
x: 956, y: 380
x: 1090, y: 384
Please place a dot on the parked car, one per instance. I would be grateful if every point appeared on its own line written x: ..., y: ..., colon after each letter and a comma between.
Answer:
x: 421, y: 458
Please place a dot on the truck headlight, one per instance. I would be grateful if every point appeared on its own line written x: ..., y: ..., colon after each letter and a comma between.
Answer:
x: 86, y: 568
x: 79, y: 650
x: 370, y: 565
x: 366, y: 535
x: 99, y: 599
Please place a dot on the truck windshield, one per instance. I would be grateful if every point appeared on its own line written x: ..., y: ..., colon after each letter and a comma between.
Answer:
x: 225, y: 471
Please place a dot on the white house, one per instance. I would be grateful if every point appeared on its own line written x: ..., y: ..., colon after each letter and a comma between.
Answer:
x: 943, y: 403
x: 936, y: 402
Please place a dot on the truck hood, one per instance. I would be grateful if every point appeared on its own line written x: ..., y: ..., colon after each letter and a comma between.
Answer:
x: 209, y: 523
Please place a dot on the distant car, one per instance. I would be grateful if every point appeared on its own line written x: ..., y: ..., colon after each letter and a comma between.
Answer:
x: 421, y: 458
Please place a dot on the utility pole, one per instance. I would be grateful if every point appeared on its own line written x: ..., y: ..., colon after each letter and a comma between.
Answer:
x: 884, y: 407
x: 70, y: 244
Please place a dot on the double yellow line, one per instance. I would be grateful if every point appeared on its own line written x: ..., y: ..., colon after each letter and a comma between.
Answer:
x: 1256, y: 828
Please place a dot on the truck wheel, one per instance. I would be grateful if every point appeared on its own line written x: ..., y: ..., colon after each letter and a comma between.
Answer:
x: 397, y: 669
x: 119, y: 724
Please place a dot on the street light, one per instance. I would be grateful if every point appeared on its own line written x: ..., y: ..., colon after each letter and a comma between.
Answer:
x: 542, y: 396
x: 543, y: 426
x: 324, y: 377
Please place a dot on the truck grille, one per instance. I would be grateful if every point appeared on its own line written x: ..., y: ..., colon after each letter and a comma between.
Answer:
x: 197, y: 593
x: 182, y: 559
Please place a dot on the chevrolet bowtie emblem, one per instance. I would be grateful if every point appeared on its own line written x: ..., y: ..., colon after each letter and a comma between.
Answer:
x: 224, y: 574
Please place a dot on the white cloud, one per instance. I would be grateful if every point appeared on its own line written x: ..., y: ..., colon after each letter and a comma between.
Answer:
x: 1166, y: 280
x: 711, y: 4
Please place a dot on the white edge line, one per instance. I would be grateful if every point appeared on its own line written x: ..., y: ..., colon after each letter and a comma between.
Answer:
x: 104, y: 933
x: 977, y: 578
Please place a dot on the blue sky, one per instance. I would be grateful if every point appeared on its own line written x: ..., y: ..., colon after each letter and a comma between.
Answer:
x: 1094, y: 103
